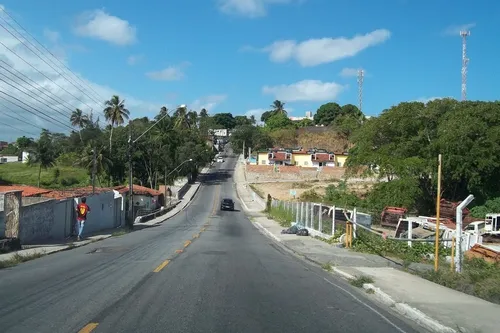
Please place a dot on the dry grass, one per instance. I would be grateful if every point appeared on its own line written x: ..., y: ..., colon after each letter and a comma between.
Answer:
x: 281, y: 190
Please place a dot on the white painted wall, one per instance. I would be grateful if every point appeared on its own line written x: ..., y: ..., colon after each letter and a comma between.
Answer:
x: 101, y: 215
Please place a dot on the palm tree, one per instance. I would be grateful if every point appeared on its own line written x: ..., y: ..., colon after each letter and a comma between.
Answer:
x: 181, y: 117
x: 44, y: 153
x: 203, y: 113
x: 278, y: 107
x: 192, y: 118
x: 116, y: 114
x: 80, y: 120
x: 103, y: 162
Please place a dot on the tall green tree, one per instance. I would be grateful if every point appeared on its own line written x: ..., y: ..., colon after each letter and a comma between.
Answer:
x: 115, y: 113
x: 44, y: 153
x: 80, y: 120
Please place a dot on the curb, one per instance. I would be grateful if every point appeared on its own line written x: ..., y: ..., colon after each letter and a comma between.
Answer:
x: 66, y: 247
x: 403, y: 309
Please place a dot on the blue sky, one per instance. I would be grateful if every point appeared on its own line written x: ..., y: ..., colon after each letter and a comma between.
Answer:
x: 239, y: 55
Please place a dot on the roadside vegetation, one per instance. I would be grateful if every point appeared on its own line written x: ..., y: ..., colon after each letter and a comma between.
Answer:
x: 59, y: 160
x: 18, y: 259
x: 403, y: 142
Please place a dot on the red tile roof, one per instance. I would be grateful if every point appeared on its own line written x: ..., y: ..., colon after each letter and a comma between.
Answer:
x: 280, y: 156
x: 142, y: 190
x: 28, y: 191
x: 323, y: 157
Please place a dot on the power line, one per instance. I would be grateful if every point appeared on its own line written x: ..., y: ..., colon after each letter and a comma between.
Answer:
x: 22, y: 121
x: 18, y: 114
x: 18, y: 129
x: 38, y: 55
x: 48, y: 78
x: 34, y: 113
x: 43, y: 46
x: 35, y: 98
x: 57, y: 101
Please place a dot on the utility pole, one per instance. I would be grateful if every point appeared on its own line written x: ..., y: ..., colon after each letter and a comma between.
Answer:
x: 361, y: 75
x: 94, y: 165
x: 243, y: 149
x: 465, y: 63
x: 438, y: 212
x: 130, y: 179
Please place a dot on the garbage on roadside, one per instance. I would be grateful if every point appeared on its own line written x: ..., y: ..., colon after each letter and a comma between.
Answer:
x: 296, y: 229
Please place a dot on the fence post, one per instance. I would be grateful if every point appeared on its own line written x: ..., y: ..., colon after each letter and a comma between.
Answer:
x: 333, y: 220
x: 410, y: 233
x: 320, y: 218
x: 306, y: 221
x: 302, y: 212
x: 297, y: 213
x: 355, y: 220
x: 312, y: 215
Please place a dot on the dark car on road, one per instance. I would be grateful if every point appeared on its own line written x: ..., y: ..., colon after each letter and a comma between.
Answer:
x: 227, y: 204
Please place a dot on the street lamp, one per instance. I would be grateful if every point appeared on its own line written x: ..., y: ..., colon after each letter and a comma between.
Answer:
x: 174, y: 170
x: 130, y: 144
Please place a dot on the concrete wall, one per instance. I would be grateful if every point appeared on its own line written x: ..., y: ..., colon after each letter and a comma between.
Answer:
x: 2, y: 217
x: 45, y: 221
x: 265, y: 173
x: 33, y: 200
x: 101, y: 215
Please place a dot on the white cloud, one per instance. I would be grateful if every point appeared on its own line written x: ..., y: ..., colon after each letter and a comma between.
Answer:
x: 63, y: 93
x: 315, y: 52
x: 51, y: 35
x: 257, y: 113
x: 350, y: 72
x: 100, y: 25
x: 171, y: 73
x: 454, y: 30
x: 249, y: 8
x: 209, y: 102
x: 135, y: 59
x: 306, y: 90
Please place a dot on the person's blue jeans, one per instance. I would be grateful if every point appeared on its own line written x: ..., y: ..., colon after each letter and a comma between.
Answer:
x: 79, y: 227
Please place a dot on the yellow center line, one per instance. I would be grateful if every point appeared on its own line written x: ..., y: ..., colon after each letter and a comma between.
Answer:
x: 88, y: 328
x: 196, y: 236
x: 161, y: 266
x: 203, y: 229
x: 178, y: 251
x: 186, y: 243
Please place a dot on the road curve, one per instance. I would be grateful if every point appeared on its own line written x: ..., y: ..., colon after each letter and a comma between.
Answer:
x: 202, y: 271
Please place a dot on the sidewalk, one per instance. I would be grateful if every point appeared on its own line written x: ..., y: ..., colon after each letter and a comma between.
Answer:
x: 40, y: 250
x: 434, y: 307
x: 186, y: 199
x: 43, y: 249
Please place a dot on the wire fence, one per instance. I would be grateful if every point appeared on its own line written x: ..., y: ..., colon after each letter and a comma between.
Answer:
x: 321, y: 220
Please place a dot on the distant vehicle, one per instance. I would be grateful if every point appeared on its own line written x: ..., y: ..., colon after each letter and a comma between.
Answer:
x: 220, y: 159
x: 227, y: 204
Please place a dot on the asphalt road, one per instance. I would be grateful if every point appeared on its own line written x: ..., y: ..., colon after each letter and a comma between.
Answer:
x: 228, y: 278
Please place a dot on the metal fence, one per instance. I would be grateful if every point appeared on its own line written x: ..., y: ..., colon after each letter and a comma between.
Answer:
x: 321, y: 220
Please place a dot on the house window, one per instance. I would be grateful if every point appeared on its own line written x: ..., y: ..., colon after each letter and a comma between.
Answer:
x: 306, y: 163
x: 264, y: 162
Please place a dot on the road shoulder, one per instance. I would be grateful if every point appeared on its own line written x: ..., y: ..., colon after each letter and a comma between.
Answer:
x: 432, y: 306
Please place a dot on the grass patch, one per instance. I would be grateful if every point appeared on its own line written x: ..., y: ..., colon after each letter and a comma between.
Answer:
x: 258, y: 191
x: 359, y: 281
x: 281, y: 215
x: 66, y: 176
x: 370, y: 243
x: 120, y: 232
x: 327, y: 267
x: 19, y: 258
x: 478, y: 278
x: 301, y: 185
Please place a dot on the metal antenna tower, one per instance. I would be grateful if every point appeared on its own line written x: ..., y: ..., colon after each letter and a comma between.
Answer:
x: 361, y: 75
x: 465, y: 62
